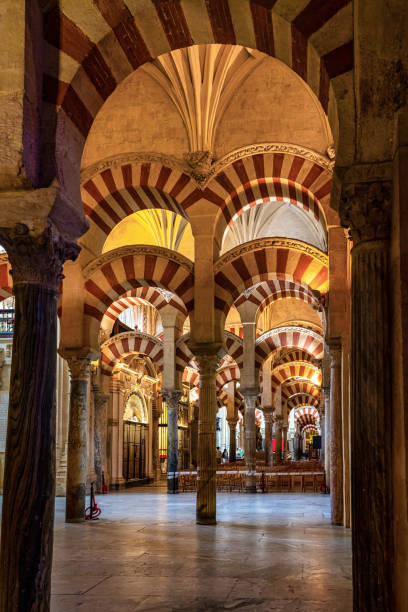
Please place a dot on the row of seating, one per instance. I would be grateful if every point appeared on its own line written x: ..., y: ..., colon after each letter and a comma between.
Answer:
x: 266, y: 482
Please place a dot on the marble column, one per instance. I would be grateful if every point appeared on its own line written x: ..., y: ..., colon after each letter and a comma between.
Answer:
x: 278, y: 429
x: 194, y: 437
x: 156, y: 414
x: 366, y: 209
x: 207, y: 463
x: 100, y: 432
x: 36, y: 259
x: 326, y: 391
x: 232, y: 423
x: 115, y: 433
x: 269, y: 420
x: 336, y: 433
x: 172, y: 400
x: 323, y: 432
x: 250, y: 439
x: 77, y: 440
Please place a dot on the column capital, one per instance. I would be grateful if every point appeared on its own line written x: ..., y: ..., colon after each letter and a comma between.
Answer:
x: 365, y: 208
x: 172, y: 398
x: 335, y: 347
x: 232, y: 421
x: 37, y: 256
x: 79, y: 367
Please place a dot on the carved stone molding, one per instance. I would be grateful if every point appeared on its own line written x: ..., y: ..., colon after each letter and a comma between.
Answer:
x: 262, y: 243
x: 172, y: 398
x: 365, y: 208
x: 37, y: 257
x: 199, y: 163
x: 79, y: 368
x: 137, y: 249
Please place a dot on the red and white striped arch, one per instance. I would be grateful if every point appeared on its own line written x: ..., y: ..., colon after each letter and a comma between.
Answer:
x: 191, y: 376
x: 226, y: 375
x: 303, y: 399
x: 268, y: 259
x: 127, y: 268
x: 296, y: 387
x: 100, y: 43
x: 270, y: 291
x: 278, y: 176
x: 288, y: 337
x: 306, y: 416
x: 289, y: 356
x: 140, y: 295
x: 130, y: 342
x: 286, y: 372
x: 123, y: 189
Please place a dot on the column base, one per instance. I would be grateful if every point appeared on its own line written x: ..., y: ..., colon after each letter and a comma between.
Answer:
x: 250, y: 489
x: 209, y: 520
x: 75, y: 520
x: 172, y: 485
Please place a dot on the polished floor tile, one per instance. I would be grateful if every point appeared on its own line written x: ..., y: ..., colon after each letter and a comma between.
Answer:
x: 267, y: 552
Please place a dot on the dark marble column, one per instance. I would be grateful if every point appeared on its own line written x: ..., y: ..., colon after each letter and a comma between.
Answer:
x: 232, y: 423
x: 100, y: 434
x: 278, y: 447
x: 29, y: 482
x: 156, y: 414
x: 269, y: 420
x: 323, y: 431
x: 172, y: 400
x: 326, y: 391
x: 194, y: 437
x: 79, y: 369
x: 250, y: 439
x: 336, y: 433
x: 366, y: 209
x: 285, y: 441
x: 207, y: 463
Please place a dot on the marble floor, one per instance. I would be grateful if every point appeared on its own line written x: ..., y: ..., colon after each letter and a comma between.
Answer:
x: 268, y: 552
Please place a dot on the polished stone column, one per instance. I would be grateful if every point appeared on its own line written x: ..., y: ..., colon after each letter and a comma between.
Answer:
x: 100, y: 430
x: 232, y: 423
x: 326, y: 391
x: 269, y: 420
x: 194, y: 437
x: 29, y: 481
x: 336, y: 433
x: 250, y: 439
x: 323, y: 432
x: 156, y: 414
x: 172, y: 400
x: 366, y: 209
x: 278, y: 447
x: 115, y: 433
x: 79, y: 369
x: 207, y: 463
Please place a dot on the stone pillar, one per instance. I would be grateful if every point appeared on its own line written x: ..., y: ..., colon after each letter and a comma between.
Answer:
x: 77, y: 443
x: 278, y: 429
x: 285, y: 441
x: 322, y: 430
x: 156, y: 414
x: 62, y: 462
x: 366, y: 208
x: 326, y: 391
x: 232, y: 423
x: 269, y: 420
x: 250, y: 439
x: 336, y: 446
x: 207, y: 463
x: 172, y: 400
x: 36, y: 259
x: 194, y: 437
x: 100, y: 431
x: 115, y: 434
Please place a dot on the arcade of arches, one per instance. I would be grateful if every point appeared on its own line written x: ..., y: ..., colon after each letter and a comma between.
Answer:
x: 203, y: 210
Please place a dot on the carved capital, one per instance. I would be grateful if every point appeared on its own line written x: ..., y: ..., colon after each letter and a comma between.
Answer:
x: 37, y: 257
x: 334, y: 345
x: 232, y: 422
x: 79, y: 368
x: 365, y: 208
x: 172, y: 399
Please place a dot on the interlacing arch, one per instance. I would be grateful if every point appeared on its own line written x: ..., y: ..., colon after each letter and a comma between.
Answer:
x: 267, y: 292
x: 288, y: 337
x: 287, y: 356
x: 251, y: 263
x: 117, y: 272
x: 288, y: 371
x: 227, y: 374
x: 105, y: 42
x: 130, y: 342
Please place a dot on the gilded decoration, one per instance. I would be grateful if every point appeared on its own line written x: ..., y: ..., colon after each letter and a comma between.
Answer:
x: 135, y: 408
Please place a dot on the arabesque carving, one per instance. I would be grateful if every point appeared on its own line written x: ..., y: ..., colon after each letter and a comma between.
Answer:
x: 365, y: 208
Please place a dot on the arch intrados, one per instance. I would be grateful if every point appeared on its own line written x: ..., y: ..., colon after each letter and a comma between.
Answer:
x: 127, y: 343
